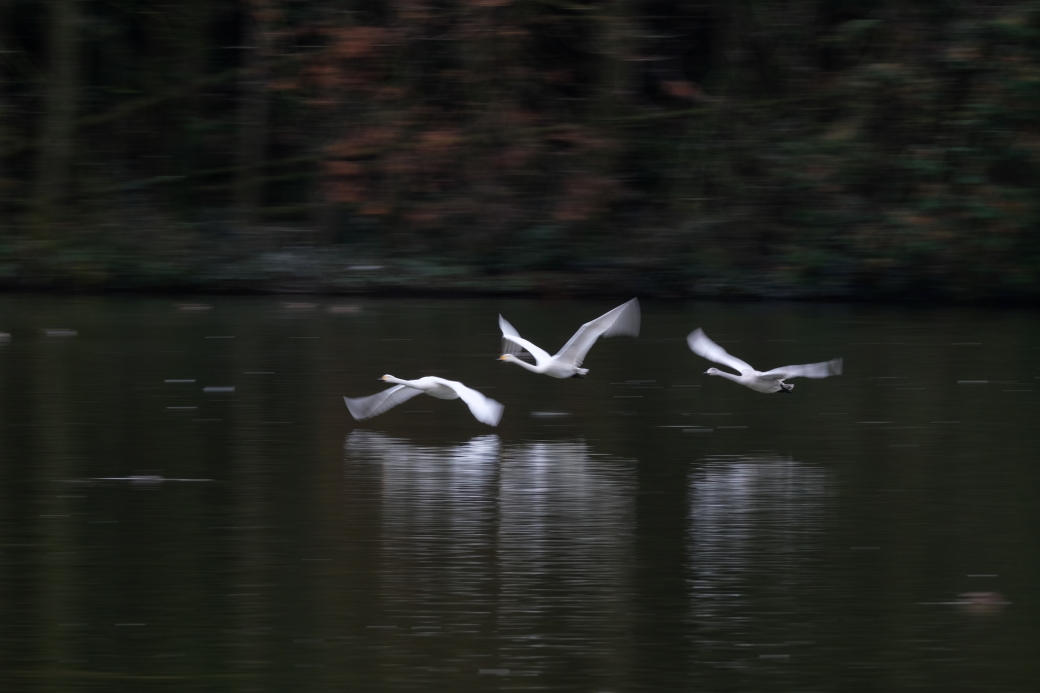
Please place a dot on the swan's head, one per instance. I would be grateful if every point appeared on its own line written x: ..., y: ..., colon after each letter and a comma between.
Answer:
x: 507, y: 357
x: 387, y: 377
x: 713, y: 371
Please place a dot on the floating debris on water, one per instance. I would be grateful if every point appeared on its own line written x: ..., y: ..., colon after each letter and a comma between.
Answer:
x: 982, y: 603
x: 142, y: 479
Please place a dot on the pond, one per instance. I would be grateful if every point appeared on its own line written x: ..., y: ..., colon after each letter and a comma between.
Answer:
x: 186, y: 504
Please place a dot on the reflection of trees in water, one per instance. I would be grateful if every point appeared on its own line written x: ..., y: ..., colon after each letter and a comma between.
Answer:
x: 755, y: 532
x: 537, y: 536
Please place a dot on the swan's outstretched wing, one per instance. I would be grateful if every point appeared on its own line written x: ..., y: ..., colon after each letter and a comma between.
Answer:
x: 623, y: 320
x: 508, y: 346
x: 374, y: 405
x: 704, y: 347
x: 485, y: 409
x: 809, y: 370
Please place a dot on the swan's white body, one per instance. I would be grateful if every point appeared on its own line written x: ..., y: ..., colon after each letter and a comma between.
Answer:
x: 566, y: 363
x: 485, y: 409
x: 768, y: 381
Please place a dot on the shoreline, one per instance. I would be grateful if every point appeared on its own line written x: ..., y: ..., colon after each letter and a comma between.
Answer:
x: 545, y: 285
x: 359, y: 270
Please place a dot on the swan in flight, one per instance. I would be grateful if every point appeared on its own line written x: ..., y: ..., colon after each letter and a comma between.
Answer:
x: 485, y: 409
x: 769, y: 381
x: 623, y: 320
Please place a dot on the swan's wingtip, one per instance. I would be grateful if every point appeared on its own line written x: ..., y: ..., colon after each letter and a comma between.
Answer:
x: 350, y: 407
x: 494, y: 413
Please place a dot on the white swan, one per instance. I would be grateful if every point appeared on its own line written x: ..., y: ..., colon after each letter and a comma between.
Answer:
x: 623, y: 320
x: 769, y: 381
x: 485, y: 409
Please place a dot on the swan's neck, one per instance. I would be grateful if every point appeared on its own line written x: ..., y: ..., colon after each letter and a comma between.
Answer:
x: 730, y: 376
x: 520, y: 362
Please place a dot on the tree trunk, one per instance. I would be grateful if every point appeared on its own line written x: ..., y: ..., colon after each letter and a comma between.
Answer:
x: 324, y: 130
x: 254, y: 105
x: 615, y: 44
x: 190, y: 32
x: 5, y: 184
x: 56, y: 149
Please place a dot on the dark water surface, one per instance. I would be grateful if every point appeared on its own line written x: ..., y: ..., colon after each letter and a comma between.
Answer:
x: 647, y: 528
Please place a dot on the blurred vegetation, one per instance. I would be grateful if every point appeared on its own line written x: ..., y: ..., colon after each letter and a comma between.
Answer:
x: 814, y: 148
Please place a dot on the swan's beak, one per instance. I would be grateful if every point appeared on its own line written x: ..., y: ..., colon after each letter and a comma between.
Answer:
x: 501, y: 358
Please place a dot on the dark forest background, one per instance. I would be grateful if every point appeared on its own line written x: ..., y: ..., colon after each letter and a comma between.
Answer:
x: 818, y: 148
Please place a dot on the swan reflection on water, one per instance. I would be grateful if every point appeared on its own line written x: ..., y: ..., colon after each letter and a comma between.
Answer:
x: 428, y: 492
x: 521, y: 532
x: 756, y: 527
